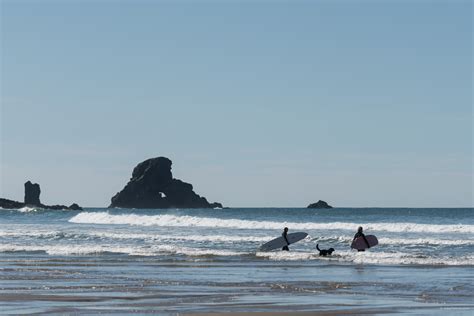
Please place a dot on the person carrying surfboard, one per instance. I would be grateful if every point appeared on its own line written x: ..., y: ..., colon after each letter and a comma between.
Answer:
x: 284, y: 234
x: 361, y: 234
x: 285, y: 239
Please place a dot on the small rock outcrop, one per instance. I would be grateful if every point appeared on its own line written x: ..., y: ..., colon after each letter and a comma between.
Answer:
x: 32, y: 198
x: 32, y: 193
x: 152, y: 186
x: 75, y: 207
x: 217, y: 205
x: 319, y: 204
x: 10, y: 204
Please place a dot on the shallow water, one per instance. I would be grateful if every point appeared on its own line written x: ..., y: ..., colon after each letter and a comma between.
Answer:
x: 173, y: 261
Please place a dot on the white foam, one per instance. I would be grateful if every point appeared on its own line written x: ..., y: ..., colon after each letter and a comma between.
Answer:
x: 287, y: 255
x: 27, y: 209
x: 89, y: 249
x: 53, y: 249
x: 368, y: 257
x: 195, y: 251
x: 400, y: 258
x: 426, y: 241
x: 194, y: 221
x: 124, y: 236
x: 198, y: 238
x: 325, y: 241
x: 400, y: 241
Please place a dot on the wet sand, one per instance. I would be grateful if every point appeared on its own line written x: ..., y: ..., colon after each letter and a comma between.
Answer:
x: 325, y: 313
x: 42, y: 284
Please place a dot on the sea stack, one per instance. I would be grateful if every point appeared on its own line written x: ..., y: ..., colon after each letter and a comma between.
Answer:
x: 32, y: 193
x: 32, y: 198
x: 319, y: 204
x: 152, y: 186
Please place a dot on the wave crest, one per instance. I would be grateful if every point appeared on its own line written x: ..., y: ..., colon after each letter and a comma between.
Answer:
x: 190, y: 221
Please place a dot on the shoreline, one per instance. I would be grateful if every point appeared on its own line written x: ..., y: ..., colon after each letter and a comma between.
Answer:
x: 35, y: 283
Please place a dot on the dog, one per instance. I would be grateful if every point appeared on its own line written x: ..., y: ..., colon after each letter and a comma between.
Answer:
x: 324, y: 252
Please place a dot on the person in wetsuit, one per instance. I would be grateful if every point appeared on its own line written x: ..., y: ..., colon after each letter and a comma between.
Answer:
x: 284, y: 234
x: 361, y: 234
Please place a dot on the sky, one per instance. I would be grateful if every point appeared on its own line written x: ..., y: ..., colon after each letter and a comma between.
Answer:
x: 257, y: 103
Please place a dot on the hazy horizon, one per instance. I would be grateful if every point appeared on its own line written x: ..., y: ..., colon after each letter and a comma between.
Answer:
x: 257, y: 104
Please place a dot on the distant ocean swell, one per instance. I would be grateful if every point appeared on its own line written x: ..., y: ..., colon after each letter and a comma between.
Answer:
x: 194, y: 221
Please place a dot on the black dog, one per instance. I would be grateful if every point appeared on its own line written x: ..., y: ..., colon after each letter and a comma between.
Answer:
x: 325, y: 252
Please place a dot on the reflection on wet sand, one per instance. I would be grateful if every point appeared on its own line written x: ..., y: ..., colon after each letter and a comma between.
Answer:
x: 138, y: 285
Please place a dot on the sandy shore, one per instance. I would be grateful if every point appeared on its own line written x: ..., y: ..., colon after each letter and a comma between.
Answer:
x: 108, y: 284
x: 313, y: 313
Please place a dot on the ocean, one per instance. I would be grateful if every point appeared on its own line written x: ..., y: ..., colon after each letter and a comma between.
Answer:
x: 185, y: 261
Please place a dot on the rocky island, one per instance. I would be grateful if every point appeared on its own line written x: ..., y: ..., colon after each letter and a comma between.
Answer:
x: 152, y: 186
x: 319, y: 204
x: 32, y: 199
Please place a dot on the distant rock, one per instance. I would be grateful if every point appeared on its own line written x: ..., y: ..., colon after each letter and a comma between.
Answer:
x: 319, y: 204
x: 152, y: 186
x: 32, y: 198
x: 75, y: 207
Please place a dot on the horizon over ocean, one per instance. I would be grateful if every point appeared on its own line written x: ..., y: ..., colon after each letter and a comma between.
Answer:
x: 297, y: 207
x: 172, y: 261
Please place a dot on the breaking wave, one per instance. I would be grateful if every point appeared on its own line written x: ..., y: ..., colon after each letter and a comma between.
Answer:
x: 190, y: 221
x: 27, y: 209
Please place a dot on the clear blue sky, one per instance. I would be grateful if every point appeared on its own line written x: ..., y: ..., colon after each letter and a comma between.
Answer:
x: 256, y: 103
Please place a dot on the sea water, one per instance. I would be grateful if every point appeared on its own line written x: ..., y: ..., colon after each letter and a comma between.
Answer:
x: 205, y: 260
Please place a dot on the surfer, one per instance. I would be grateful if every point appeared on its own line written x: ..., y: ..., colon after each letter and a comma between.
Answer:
x: 284, y: 234
x: 361, y: 234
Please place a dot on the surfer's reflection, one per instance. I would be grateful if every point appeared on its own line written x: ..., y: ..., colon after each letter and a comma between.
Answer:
x: 360, y: 269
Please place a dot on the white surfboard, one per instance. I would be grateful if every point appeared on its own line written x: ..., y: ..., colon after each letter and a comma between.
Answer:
x: 280, y: 241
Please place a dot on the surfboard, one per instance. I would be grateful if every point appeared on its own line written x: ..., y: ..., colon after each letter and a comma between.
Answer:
x: 280, y: 241
x: 360, y: 244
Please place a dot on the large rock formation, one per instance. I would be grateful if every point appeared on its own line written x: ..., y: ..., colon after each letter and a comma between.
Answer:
x: 152, y: 186
x: 32, y: 193
x: 32, y: 198
x: 319, y: 204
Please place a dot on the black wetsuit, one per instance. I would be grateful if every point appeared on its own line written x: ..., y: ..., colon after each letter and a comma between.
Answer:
x: 286, y: 239
x: 357, y: 235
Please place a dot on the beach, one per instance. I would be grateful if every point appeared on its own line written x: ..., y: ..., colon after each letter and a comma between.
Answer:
x: 232, y: 158
x: 174, y: 262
